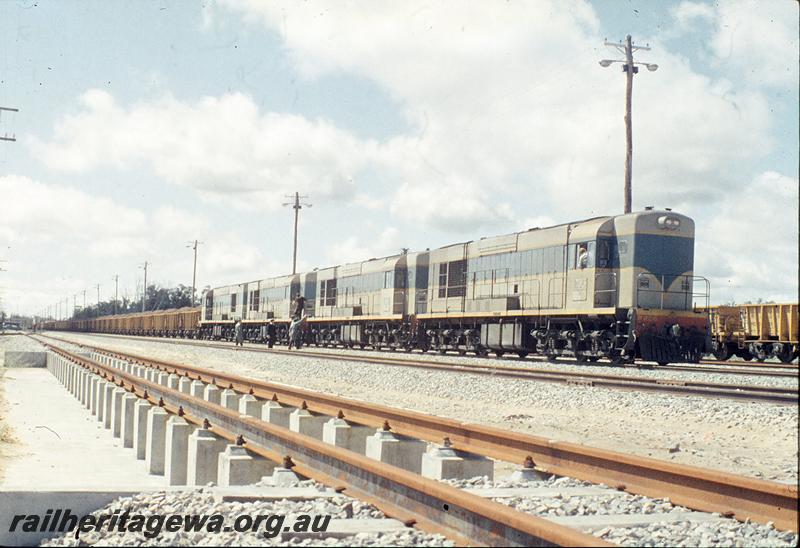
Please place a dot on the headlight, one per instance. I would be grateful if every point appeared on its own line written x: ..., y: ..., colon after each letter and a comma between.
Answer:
x: 670, y: 223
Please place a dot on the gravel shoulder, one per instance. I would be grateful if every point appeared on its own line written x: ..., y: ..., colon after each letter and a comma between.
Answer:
x: 14, y: 343
x: 751, y: 439
x: 202, y: 503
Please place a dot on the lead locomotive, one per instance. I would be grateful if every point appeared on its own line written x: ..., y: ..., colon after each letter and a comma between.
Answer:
x: 618, y: 287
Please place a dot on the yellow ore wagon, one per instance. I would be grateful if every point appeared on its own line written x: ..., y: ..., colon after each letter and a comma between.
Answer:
x: 755, y: 331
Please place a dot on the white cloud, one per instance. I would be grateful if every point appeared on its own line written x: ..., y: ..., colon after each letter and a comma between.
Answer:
x: 753, y: 39
x: 512, y: 123
x: 749, y: 249
x: 359, y: 248
x: 82, y: 239
x: 33, y: 213
x: 220, y: 146
x: 509, y: 106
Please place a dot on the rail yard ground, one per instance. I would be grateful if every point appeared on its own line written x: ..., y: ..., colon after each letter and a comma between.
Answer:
x: 753, y: 439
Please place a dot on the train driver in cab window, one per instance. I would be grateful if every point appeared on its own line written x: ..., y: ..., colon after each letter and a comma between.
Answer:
x: 583, y: 256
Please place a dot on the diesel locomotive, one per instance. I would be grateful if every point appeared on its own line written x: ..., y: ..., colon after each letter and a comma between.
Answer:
x: 619, y: 287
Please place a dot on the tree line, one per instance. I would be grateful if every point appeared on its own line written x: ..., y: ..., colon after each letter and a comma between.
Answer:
x: 157, y: 298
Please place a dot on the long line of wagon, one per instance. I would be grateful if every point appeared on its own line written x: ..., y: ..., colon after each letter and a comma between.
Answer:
x: 751, y: 331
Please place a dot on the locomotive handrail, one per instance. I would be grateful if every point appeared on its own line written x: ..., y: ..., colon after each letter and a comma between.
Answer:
x: 686, y: 291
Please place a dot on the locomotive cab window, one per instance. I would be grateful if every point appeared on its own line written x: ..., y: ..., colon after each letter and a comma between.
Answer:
x: 581, y: 255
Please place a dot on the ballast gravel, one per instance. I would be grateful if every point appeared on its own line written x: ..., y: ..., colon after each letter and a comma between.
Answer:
x: 17, y: 343
x: 746, y: 438
x: 201, y: 502
x: 727, y: 532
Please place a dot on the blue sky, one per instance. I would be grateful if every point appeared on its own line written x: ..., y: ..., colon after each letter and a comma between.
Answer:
x: 143, y: 125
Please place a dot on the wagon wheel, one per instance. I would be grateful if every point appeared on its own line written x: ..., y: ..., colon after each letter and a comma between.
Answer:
x: 593, y: 359
x: 522, y: 354
x: 786, y: 355
x: 721, y: 351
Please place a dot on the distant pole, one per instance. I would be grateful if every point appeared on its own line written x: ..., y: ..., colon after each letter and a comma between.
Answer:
x: 297, y: 206
x: 194, y: 245
x: 84, y: 299
x: 74, y: 304
x: 630, y: 68
x: 144, y: 289
x: 116, y: 291
x: 98, y: 297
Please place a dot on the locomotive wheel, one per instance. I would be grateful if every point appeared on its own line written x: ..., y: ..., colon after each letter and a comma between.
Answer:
x: 593, y: 359
x: 499, y: 353
x: 522, y: 354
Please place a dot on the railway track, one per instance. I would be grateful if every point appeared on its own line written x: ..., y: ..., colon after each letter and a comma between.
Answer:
x: 777, y: 395
x: 708, y: 366
x: 430, y: 505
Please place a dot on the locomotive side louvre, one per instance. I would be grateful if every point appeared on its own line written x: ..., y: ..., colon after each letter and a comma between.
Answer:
x: 275, y: 296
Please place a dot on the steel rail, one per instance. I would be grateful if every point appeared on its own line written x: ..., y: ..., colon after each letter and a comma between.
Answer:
x: 759, y: 393
x: 690, y: 486
x: 427, y: 504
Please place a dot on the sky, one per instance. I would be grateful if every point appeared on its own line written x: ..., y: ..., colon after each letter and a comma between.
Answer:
x: 144, y: 125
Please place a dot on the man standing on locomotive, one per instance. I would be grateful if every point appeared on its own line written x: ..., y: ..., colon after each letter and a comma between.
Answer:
x: 583, y: 256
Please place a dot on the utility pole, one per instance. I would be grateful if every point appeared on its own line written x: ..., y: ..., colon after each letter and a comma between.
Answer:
x: 194, y: 245
x: 116, y: 291
x: 629, y: 68
x: 297, y: 206
x: 74, y: 303
x: 144, y: 288
x: 98, y: 297
x: 84, y: 299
